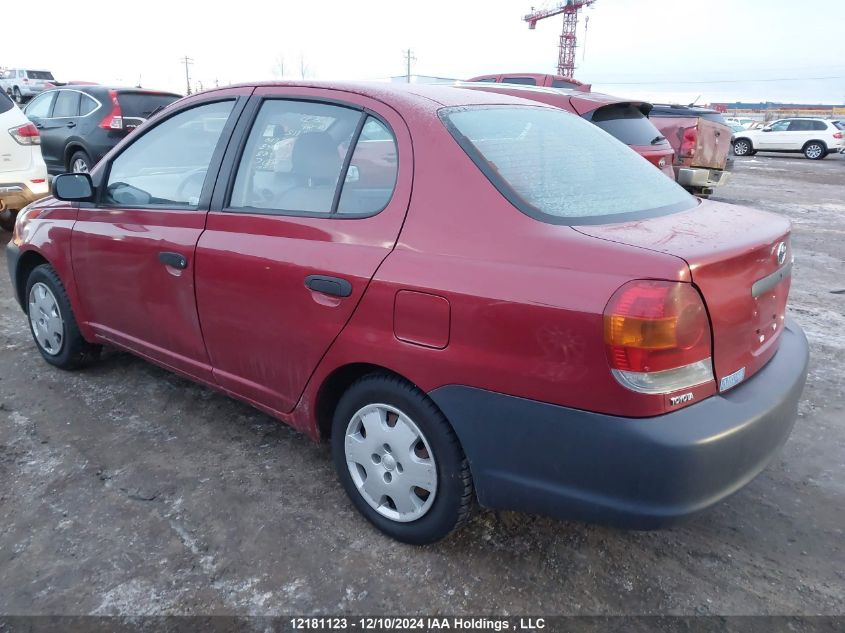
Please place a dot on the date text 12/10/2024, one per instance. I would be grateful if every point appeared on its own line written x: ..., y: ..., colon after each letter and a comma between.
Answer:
x: 384, y: 623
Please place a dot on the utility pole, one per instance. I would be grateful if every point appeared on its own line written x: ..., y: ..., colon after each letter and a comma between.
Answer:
x: 409, y: 57
x: 187, y: 60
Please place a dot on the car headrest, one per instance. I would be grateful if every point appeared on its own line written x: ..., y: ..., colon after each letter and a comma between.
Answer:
x: 315, y: 155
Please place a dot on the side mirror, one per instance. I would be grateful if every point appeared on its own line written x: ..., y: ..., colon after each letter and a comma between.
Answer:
x: 767, y: 129
x: 73, y: 187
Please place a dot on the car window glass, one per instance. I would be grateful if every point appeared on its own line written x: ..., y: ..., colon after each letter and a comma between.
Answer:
x: 67, y: 104
x: 798, y: 126
x: 87, y: 105
x: 562, y: 83
x: 819, y: 125
x: 372, y: 171
x: 627, y: 123
x: 293, y: 157
x: 779, y: 126
x: 40, y: 106
x: 839, y: 125
x: 6, y: 103
x: 555, y: 166
x: 167, y: 165
x: 525, y: 81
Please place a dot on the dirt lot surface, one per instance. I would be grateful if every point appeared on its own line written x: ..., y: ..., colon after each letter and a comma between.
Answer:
x: 127, y: 490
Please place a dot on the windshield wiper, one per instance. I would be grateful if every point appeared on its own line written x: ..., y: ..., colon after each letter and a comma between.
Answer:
x: 657, y: 139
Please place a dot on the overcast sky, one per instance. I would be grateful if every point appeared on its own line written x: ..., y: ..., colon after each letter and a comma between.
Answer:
x: 723, y: 50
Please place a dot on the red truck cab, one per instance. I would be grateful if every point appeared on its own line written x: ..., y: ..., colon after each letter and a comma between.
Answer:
x: 535, y: 79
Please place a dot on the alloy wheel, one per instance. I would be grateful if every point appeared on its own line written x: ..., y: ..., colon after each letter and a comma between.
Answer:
x: 391, y: 462
x: 79, y: 166
x: 813, y: 151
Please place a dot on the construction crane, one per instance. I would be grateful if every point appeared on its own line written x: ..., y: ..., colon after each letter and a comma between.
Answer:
x: 569, y: 9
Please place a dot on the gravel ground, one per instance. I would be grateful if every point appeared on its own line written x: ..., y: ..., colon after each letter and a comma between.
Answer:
x: 127, y: 490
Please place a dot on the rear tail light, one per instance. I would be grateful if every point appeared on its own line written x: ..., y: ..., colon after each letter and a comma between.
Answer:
x: 26, y: 134
x: 687, y: 149
x: 114, y: 119
x: 657, y: 336
x: 837, y: 135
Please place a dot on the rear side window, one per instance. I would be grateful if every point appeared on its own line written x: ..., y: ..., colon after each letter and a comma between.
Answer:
x: 525, y: 81
x: 627, y: 123
x: 562, y: 83
x: 67, y: 104
x: 6, y: 104
x: 297, y: 159
x: 819, y: 125
x: 39, y: 74
x: 558, y: 168
x: 87, y: 105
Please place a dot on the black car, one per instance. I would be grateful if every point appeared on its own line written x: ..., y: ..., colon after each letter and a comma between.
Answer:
x: 79, y: 124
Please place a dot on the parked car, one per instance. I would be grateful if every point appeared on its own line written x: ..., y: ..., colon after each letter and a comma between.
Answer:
x: 510, y: 306
x: 79, y: 124
x: 625, y: 119
x: 534, y: 79
x: 701, y: 140
x: 742, y: 121
x: 23, y: 175
x: 815, y: 138
x: 21, y: 84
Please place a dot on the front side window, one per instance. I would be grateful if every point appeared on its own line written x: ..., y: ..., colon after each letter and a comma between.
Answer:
x: 779, y: 126
x: 39, y: 107
x: 168, y: 164
x: 295, y: 161
x: 67, y: 104
x: 558, y: 168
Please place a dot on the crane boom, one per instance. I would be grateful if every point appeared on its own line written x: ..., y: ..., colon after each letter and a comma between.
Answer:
x: 566, y: 49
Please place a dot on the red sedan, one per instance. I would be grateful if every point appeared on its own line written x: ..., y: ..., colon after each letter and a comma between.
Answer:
x: 470, y: 295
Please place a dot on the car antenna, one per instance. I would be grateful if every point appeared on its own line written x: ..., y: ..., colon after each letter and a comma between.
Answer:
x: 693, y: 101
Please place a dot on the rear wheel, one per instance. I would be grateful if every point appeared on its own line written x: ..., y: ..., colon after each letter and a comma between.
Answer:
x: 7, y: 219
x: 80, y: 163
x: 53, y: 323
x: 17, y: 95
x: 742, y: 147
x: 400, y: 461
x: 815, y: 150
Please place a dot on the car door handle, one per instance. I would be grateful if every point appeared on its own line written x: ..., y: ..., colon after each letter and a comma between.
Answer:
x: 39, y: 126
x: 174, y: 260
x: 71, y: 124
x: 334, y: 286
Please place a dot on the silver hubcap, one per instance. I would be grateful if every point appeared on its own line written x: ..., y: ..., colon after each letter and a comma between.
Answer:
x: 741, y: 148
x: 814, y: 151
x: 391, y: 462
x: 45, y: 318
x: 80, y: 166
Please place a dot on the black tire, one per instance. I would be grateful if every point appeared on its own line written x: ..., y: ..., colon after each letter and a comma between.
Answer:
x: 73, y: 350
x: 743, y: 147
x: 814, y: 150
x: 17, y: 95
x: 82, y: 156
x: 453, y: 494
x: 7, y: 219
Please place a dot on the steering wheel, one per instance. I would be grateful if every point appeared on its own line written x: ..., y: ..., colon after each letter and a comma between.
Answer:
x: 196, y: 178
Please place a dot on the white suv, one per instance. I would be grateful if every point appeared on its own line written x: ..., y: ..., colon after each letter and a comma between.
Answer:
x: 23, y: 174
x: 815, y: 138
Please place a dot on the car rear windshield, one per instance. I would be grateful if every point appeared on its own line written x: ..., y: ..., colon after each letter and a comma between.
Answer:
x: 670, y: 111
x: 558, y: 168
x: 627, y: 123
x: 5, y: 103
x: 39, y: 74
x: 140, y: 105
x: 838, y: 124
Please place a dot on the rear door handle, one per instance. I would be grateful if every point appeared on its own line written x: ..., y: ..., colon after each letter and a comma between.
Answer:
x: 71, y: 124
x: 334, y: 286
x: 174, y: 260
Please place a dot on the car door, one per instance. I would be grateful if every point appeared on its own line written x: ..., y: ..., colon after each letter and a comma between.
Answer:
x: 316, y: 196
x: 774, y: 136
x: 59, y: 127
x: 133, y: 250
x: 39, y: 111
x: 798, y: 133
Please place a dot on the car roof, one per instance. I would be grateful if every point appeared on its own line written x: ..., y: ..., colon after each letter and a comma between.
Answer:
x: 553, y: 96
x: 429, y: 96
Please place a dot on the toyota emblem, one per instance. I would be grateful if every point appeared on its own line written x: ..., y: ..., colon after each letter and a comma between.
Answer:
x: 781, y: 253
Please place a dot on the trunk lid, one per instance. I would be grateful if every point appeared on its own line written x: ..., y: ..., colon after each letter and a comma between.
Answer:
x: 736, y: 260
x: 712, y: 140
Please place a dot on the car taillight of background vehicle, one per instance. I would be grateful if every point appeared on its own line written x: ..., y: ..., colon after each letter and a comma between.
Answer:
x: 114, y: 119
x: 837, y: 135
x: 657, y: 336
x: 687, y: 149
x: 26, y: 134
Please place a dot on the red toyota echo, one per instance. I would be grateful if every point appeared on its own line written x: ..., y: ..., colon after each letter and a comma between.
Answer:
x: 471, y: 296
